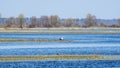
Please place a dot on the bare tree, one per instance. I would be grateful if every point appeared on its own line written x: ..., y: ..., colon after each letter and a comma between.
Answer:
x: 118, y: 22
x: 0, y: 21
x: 0, y: 18
x: 103, y: 24
x: 90, y: 20
x: 69, y: 22
x: 33, y: 22
x: 21, y: 21
x: 8, y: 23
x: 54, y: 20
x: 45, y: 21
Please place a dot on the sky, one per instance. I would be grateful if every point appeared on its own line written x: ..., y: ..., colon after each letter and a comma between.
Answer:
x: 102, y: 9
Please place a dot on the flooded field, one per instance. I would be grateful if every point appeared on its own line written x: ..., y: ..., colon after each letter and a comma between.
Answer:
x: 81, y: 44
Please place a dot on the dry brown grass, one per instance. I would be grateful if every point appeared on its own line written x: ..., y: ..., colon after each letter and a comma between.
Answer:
x: 51, y: 57
x: 73, y: 30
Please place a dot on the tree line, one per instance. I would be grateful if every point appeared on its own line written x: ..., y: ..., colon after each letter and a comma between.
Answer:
x: 51, y: 21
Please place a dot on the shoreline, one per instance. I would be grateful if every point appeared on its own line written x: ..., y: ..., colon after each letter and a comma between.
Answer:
x: 62, y: 30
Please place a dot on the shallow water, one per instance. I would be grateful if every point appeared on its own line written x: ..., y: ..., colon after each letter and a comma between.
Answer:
x: 82, y: 44
x: 75, y: 38
x: 103, y: 44
x: 62, y: 64
x: 62, y: 51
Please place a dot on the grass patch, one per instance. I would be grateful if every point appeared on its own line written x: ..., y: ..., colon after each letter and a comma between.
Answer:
x: 58, y: 57
x: 51, y: 57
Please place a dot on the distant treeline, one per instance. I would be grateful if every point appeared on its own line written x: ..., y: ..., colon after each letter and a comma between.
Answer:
x: 52, y: 21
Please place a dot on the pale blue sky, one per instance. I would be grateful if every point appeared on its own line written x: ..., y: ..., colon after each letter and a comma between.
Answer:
x: 107, y: 9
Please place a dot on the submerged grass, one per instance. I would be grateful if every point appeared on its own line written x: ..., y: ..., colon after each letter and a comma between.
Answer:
x: 32, y: 40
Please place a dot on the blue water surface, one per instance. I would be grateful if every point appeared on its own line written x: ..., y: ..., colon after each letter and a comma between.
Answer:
x: 81, y: 44
x: 62, y: 64
x: 62, y: 51
x: 75, y: 38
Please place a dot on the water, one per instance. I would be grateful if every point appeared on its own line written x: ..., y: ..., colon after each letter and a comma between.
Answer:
x: 81, y: 44
x: 62, y: 51
x: 104, y: 44
x: 62, y: 64
x: 75, y: 38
